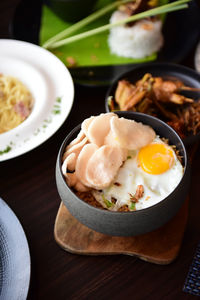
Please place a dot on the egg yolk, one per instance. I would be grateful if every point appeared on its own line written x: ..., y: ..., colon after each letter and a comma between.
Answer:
x: 156, y: 158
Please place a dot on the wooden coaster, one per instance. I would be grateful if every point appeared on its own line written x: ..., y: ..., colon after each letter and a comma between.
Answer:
x: 160, y: 246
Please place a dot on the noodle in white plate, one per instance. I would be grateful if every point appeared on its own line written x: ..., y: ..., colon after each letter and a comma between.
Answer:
x: 16, y: 102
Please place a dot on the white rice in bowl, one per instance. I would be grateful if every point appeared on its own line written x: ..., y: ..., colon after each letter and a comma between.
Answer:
x: 137, y: 41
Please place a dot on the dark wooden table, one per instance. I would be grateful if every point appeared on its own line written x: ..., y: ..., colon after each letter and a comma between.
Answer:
x: 27, y: 184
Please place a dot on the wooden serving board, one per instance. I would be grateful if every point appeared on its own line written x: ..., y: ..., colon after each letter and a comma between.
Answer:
x: 160, y: 246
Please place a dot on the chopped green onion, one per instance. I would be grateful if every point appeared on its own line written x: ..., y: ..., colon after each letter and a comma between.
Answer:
x: 110, y: 98
x: 56, y: 111
x: 177, y: 5
x: 6, y: 150
x: 58, y: 99
x: 132, y: 206
x: 107, y: 202
x: 111, y: 103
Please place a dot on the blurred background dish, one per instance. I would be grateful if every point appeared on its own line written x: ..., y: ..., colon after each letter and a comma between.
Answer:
x: 51, y: 85
x: 14, y: 256
x: 177, y: 33
x: 71, y: 10
x: 168, y: 72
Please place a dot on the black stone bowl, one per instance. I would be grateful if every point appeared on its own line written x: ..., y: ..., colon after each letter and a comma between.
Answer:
x: 127, y: 223
x: 167, y: 71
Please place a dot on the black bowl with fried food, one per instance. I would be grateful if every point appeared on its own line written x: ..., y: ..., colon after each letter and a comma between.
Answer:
x: 169, y: 92
x: 127, y: 223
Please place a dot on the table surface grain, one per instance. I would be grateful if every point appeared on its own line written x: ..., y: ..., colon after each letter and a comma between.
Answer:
x: 27, y: 184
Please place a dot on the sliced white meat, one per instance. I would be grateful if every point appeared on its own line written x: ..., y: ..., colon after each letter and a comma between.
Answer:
x: 81, y: 187
x: 103, y: 166
x: 129, y: 134
x: 99, y: 128
x: 77, y: 140
x: 71, y: 179
x: 69, y: 163
x: 82, y: 161
x: 75, y: 149
x: 86, y: 123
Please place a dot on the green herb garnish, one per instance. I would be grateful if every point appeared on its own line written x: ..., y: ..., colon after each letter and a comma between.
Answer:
x: 6, y: 150
x: 58, y: 99
x: 56, y: 112
x: 132, y: 206
x: 110, y: 98
x: 107, y: 202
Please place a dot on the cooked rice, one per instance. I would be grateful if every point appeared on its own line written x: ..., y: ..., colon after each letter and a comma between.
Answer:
x: 140, y: 40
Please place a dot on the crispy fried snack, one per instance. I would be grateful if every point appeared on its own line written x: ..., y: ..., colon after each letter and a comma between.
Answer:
x: 163, y: 99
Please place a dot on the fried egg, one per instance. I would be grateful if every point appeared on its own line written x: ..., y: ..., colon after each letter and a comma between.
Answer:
x: 156, y: 167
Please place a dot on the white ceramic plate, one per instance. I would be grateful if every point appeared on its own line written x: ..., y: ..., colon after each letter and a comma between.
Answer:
x: 15, y: 265
x: 52, y: 87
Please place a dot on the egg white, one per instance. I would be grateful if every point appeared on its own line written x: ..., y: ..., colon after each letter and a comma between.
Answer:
x: 130, y: 175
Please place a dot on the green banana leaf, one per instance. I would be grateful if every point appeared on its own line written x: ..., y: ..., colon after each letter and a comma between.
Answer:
x: 91, y: 51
